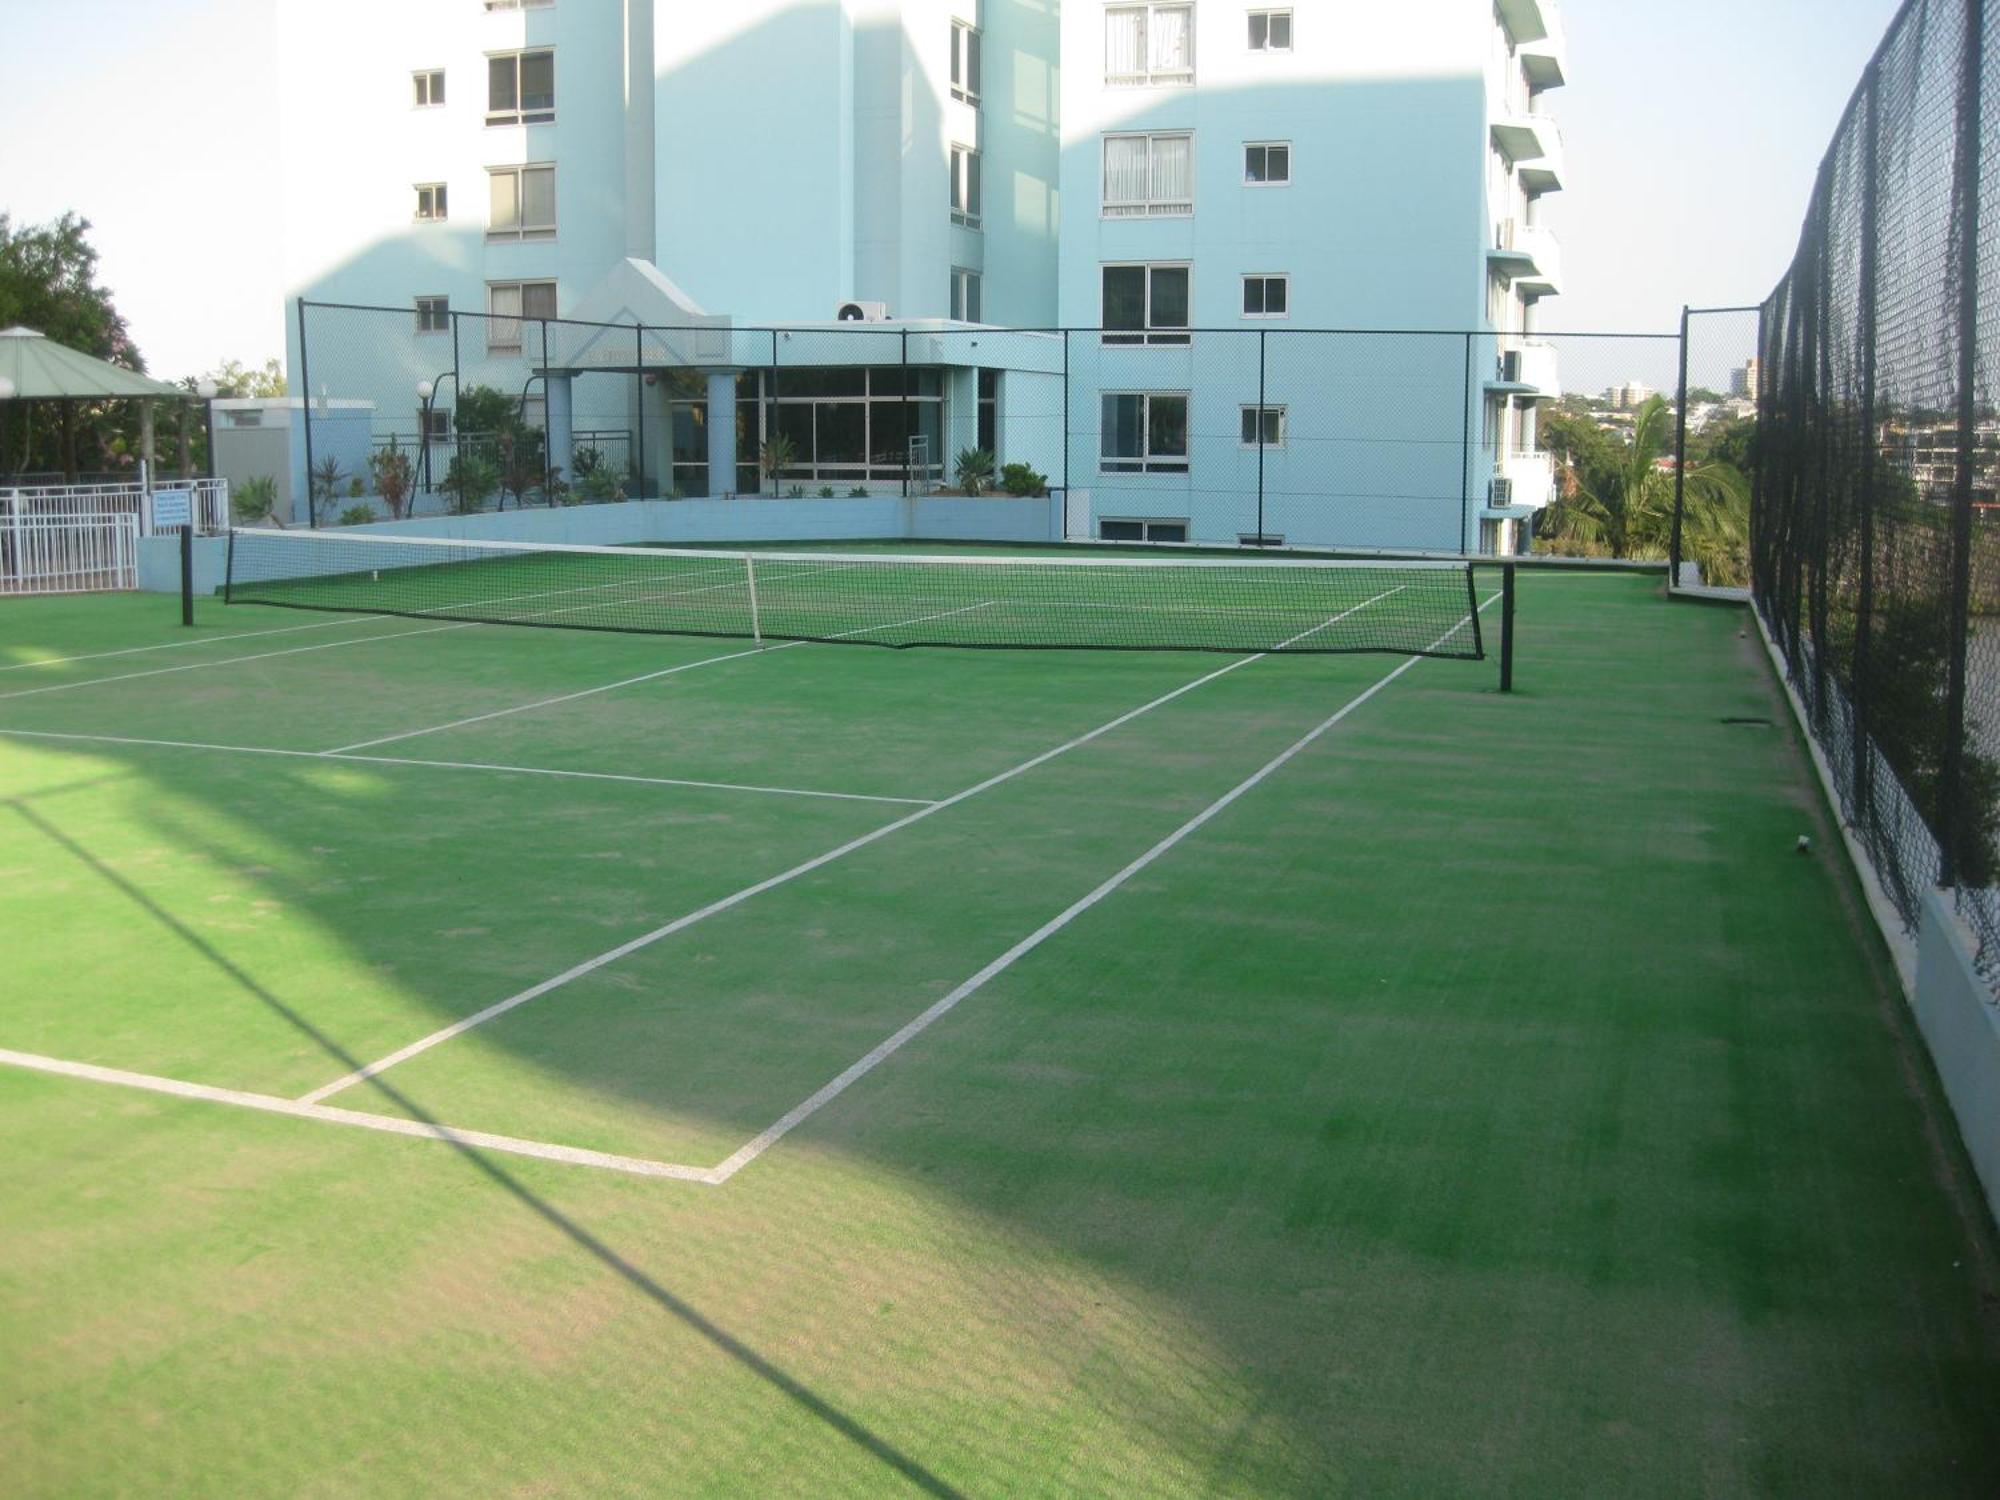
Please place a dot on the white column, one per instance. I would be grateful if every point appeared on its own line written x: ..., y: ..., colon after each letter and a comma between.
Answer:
x: 722, y: 432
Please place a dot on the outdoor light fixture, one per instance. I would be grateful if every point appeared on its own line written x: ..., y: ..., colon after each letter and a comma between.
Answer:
x: 205, y: 389
x: 425, y: 390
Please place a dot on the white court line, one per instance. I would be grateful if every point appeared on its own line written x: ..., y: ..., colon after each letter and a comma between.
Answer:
x: 764, y: 1140
x: 203, y: 640
x: 647, y: 939
x: 575, y: 1156
x: 464, y: 765
x: 688, y: 666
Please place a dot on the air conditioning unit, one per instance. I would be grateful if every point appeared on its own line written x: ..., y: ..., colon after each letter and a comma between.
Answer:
x: 1501, y: 492
x: 862, y: 312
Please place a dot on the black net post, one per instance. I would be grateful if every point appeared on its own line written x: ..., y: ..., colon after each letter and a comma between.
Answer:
x: 1263, y: 365
x: 187, y: 575
x: 1064, y: 336
x: 1861, y: 772
x: 1506, y: 627
x: 1465, y: 539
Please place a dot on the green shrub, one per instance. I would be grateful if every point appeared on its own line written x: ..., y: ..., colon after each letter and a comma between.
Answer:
x: 859, y: 492
x: 826, y: 492
x: 468, y: 482
x: 357, y: 515
x: 975, y: 470
x: 1022, y: 481
x: 255, y: 501
x: 395, y: 477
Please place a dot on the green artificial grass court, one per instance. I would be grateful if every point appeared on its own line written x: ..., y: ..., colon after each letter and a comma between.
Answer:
x: 1488, y: 1101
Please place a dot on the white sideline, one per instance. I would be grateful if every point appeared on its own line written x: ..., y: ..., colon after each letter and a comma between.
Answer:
x: 198, y: 640
x: 765, y: 1139
x: 575, y: 1156
x: 464, y: 765
x: 647, y: 939
x: 687, y: 666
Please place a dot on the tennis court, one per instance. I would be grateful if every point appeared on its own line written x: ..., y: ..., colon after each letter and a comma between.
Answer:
x: 682, y: 1063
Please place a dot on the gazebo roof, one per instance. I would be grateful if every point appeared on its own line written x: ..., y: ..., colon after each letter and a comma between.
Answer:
x: 41, y: 369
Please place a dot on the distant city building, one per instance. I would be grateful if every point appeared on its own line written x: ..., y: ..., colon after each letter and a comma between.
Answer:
x: 1743, y: 382
x: 1630, y: 396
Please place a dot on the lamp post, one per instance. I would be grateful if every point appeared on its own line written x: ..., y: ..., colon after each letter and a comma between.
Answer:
x: 205, y: 388
x: 6, y: 394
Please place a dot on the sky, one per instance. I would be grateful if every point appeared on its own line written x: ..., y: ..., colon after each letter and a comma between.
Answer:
x: 1693, y: 128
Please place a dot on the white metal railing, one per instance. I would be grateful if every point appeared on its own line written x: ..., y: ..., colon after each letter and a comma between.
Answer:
x: 208, y: 502
x: 68, y: 554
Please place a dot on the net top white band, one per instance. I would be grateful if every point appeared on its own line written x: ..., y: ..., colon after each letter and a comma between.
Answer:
x: 879, y: 559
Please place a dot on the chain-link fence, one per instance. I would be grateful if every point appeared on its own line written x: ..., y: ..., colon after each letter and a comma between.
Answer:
x: 1414, y: 441
x: 1876, y: 548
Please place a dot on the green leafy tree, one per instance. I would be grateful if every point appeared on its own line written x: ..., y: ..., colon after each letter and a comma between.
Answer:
x: 469, y: 481
x: 234, y: 379
x: 1618, y: 500
x: 325, y: 481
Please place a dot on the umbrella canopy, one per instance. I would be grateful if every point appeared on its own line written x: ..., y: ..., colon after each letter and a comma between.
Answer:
x: 41, y: 369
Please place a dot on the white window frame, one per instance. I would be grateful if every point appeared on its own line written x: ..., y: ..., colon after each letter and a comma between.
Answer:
x: 1267, y: 181
x: 520, y: 114
x: 498, y: 324
x: 1146, y: 461
x: 1176, y: 335
x: 968, y: 294
x: 427, y: 88
x: 519, y: 4
x: 1267, y: 13
x: 1284, y: 278
x: 434, y: 424
x: 1149, y: 75
x: 523, y: 230
x: 425, y: 305
x: 1149, y: 206
x: 437, y: 195
x: 1270, y: 409
x: 1145, y: 525
x: 967, y: 185
x: 967, y: 61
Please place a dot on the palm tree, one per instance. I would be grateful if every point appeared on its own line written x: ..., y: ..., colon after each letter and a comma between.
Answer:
x: 1621, y: 503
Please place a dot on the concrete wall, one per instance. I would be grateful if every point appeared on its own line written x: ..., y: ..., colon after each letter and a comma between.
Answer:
x: 1961, y: 1024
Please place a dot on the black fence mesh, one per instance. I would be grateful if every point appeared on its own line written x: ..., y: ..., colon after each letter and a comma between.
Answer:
x: 1715, y: 447
x: 1416, y: 441
x: 1876, y: 544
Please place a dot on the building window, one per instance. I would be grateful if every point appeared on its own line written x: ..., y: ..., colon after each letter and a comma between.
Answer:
x: 1267, y: 296
x: 433, y: 315
x: 1149, y: 43
x: 964, y: 62
x: 1270, y: 31
x: 989, y: 411
x: 428, y: 87
x: 512, y: 303
x: 1144, y: 433
x: 1269, y: 433
x: 965, y: 186
x: 434, y: 422
x: 518, y: 4
x: 847, y: 423
x: 521, y: 88
x: 1146, y: 304
x: 430, y: 202
x: 1148, y: 175
x: 1267, y: 164
x: 1135, y: 529
x: 964, y: 295
x: 523, y: 203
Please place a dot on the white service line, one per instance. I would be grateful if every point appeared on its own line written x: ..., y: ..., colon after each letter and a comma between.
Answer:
x: 465, y: 765
x: 687, y: 666
x: 647, y: 939
x: 203, y: 640
x: 575, y: 1156
x: 764, y: 1140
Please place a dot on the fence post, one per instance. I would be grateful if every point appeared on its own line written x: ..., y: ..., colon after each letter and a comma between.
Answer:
x: 1465, y: 538
x: 1952, y: 816
x: 1262, y: 350
x: 187, y: 573
x: 909, y: 437
x: 1823, y: 459
x: 1506, y: 627
x: 639, y: 412
x: 1065, y: 434
x: 771, y: 412
x: 306, y: 418
x: 1680, y: 459
x: 1861, y: 774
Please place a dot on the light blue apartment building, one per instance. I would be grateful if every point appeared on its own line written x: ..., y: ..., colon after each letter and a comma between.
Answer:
x: 1192, y: 187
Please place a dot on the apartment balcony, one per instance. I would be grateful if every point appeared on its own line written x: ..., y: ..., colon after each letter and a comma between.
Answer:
x: 1523, y: 482
x: 1529, y: 256
x: 1526, y: 367
x: 1545, y: 62
x: 1528, y: 20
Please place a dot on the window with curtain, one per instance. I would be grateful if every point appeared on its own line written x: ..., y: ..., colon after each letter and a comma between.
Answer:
x: 521, y: 88
x: 1148, y: 175
x: 1144, y: 432
x: 965, y: 186
x: 1148, y: 44
x: 512, y: 302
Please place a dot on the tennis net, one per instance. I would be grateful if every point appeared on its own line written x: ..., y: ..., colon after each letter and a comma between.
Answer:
x: 1086, y: 602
